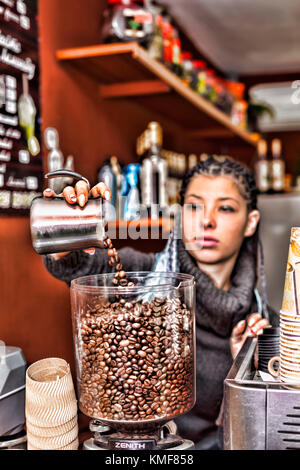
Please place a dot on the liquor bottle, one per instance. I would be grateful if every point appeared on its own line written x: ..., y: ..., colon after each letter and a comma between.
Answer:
x: 55, y: 158
x: 116, y: 168
x: 172, y: 177
x: 177, y: 62
x: 168, y: 32
x: 278, y: 167
x: 262, y: 168
x: 192, y: 161
x: 130, y: 192
x: 107, y: 176
x: 27, y: 115
x: 156, y: 46
x: 154, y: 172
x: 69, y: 165
x: 187, y: 68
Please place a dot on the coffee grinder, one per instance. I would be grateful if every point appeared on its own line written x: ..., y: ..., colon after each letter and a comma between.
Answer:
x: 135, y: 358
x: 12, y: 398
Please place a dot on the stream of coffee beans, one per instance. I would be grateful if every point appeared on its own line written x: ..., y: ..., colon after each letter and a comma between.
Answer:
x: 114, y: 259
x: 137, y: 357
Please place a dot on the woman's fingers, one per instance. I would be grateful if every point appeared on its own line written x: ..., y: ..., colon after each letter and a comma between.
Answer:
x: 49, y: 193
x: 256, y: 324
x: 253, y: 319
x: 101, y: 190
x: 82, y: 192
x: 259, y: 326
x: 239, y: 329
x: 70, y: 195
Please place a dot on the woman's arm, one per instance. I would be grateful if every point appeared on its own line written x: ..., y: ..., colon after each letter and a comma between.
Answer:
x: 78, y: 263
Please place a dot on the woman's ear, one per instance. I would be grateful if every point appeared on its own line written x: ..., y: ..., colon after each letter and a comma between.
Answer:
x: 253, y: 219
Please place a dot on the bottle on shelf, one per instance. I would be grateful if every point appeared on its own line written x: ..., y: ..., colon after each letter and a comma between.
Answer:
x: 239, y: 106
x: 187, y: 68
x: 182, y: 169
x: 262, y: 168
x: 192, y: 161
x: 154, y: 172
x: 211, y: 93
x: 277, y: 167
x: 55, y: 158
x: 167, y: 30
x: 107, y: 176
x: 172, y: 176
x: 69, y: 165
x: 177, y: 67
x: 130, y: 193
x: 224, y: 100
x: 116, y: 168
x: 199, y: 78
x: 156, y: 46
x: 27, y: 117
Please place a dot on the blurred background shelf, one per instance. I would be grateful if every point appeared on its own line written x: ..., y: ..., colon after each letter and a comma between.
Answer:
x: 126, y: 70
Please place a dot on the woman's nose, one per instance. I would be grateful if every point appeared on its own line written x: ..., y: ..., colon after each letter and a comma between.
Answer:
x: 209, y: 220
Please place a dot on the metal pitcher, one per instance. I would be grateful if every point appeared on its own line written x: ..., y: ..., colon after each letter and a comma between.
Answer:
x: 57, y: 226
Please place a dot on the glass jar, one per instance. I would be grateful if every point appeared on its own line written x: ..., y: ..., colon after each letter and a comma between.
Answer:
x: 199, y: 78
x: 187, y: 66
x: 135, y: 348
x: 211, y: 93
x: 127, y: 20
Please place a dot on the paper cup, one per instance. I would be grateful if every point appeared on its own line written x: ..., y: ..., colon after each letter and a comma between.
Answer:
x: 50, y: 395
x: 73, y: 446
x: 291, y: 295
x: 54, y: 442
x: 52, y: 431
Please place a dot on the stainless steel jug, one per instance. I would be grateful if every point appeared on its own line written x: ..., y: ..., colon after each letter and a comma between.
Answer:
x: 57, y: 226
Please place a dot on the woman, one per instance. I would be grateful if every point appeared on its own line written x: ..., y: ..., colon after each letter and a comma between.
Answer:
x: 224, y: 264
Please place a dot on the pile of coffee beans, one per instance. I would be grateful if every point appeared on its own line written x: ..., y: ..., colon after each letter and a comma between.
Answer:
x: 136, y: 359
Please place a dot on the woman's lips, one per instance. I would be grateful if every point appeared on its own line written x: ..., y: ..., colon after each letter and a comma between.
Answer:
x: 209, y: 242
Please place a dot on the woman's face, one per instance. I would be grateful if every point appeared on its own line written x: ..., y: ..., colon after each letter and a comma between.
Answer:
x: 226, y: 221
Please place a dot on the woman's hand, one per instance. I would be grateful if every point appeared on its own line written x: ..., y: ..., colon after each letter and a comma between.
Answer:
x: 241, y: 331
x: 80, y: 193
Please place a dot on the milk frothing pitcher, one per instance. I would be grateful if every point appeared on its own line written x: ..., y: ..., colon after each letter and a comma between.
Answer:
x: 57, y: 226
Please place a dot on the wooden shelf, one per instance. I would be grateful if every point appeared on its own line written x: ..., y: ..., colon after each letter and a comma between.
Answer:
x: 127, y: 70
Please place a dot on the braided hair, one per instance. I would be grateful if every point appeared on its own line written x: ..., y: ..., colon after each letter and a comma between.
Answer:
x: 214, y: 165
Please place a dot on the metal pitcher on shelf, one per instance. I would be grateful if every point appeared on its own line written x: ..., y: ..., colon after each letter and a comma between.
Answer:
x: 57, y: 226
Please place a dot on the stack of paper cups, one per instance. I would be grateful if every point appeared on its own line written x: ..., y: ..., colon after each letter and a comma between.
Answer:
x: 289, y: 360
x: 51, y: 406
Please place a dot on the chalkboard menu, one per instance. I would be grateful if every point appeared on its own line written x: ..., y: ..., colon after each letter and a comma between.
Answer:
x: 21, y: 165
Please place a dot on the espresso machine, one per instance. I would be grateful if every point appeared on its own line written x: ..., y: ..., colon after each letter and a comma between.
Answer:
x: 135, y: 358
x: 12, y: 398
x: 260, y: 413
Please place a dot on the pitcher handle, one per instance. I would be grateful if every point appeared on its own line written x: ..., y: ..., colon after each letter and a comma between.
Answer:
x: 68, y: 173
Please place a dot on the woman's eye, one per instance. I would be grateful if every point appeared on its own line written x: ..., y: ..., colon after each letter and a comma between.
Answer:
x: 194, y: 207
x: 227, y: 209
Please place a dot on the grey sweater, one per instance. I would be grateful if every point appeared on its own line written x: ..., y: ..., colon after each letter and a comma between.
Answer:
x: 217, y: 312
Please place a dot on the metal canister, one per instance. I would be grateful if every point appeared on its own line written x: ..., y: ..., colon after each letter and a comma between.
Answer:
x: 57, y: 226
